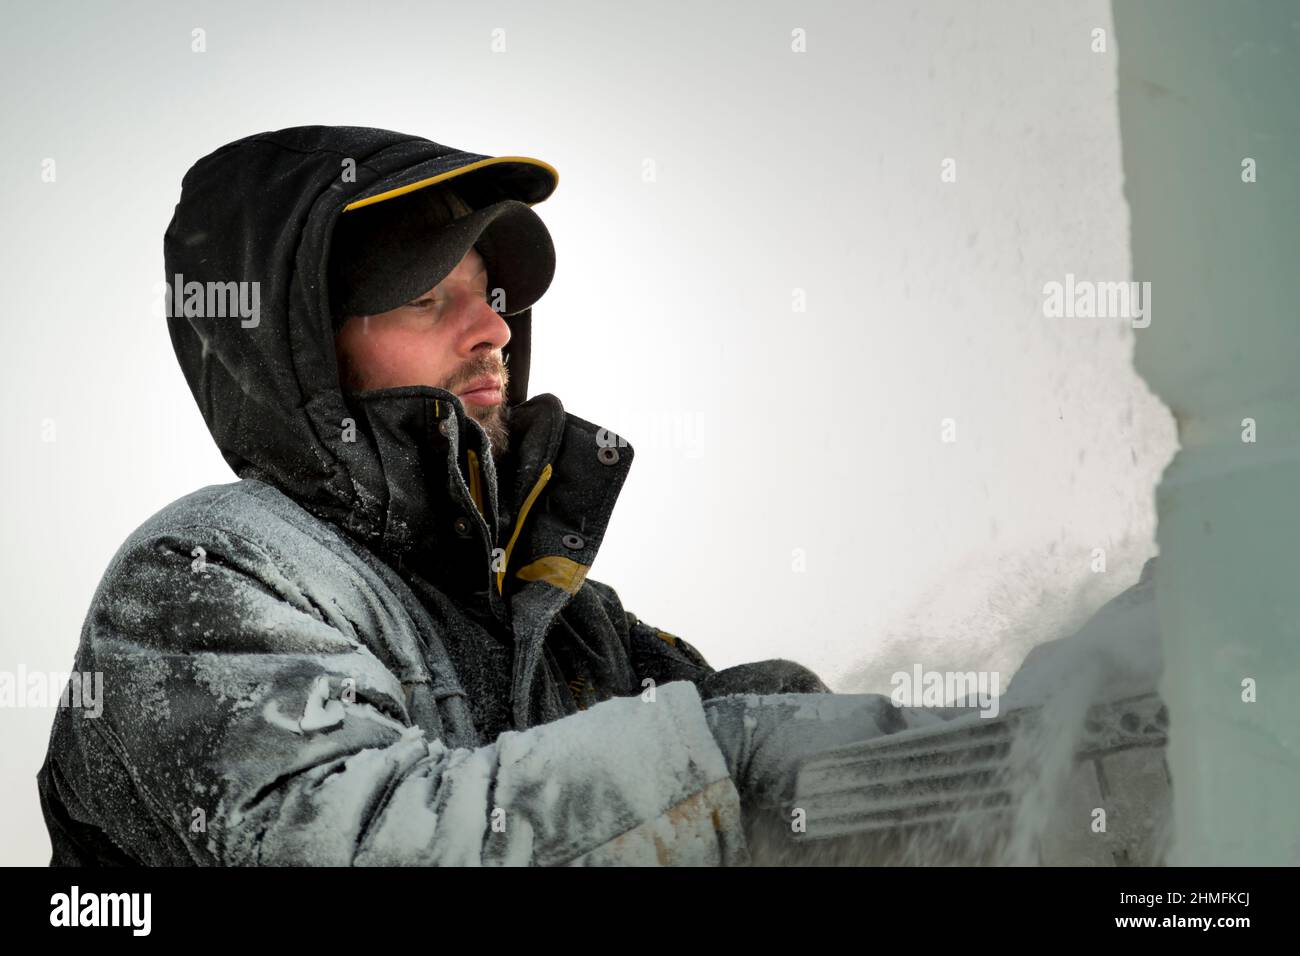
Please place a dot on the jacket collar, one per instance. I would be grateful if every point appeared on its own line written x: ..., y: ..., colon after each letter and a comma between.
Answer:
x: 470, y: 525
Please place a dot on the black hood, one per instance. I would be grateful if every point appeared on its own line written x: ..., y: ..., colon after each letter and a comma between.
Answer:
x: 262, y: 210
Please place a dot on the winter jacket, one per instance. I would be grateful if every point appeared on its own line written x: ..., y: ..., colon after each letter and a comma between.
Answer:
x: 380, y: 645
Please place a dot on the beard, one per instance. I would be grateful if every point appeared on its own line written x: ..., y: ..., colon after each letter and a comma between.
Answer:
x: 495, y: 421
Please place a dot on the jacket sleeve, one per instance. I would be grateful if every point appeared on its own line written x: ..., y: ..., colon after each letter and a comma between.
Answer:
x: 241, y: 725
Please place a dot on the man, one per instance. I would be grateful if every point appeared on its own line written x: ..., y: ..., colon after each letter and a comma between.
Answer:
x: 381, y: 645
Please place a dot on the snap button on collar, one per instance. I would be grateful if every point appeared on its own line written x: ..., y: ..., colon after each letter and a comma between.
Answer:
x: 607, y: 455
x: 573, y: 542
x: 462, y: 526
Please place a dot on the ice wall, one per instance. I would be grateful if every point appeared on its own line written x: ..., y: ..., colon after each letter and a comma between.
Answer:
x: 1211, y: 151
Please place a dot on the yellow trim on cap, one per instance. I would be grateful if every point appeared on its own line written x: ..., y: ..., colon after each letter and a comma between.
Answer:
x: 452, y: 174
x: 564, y: 573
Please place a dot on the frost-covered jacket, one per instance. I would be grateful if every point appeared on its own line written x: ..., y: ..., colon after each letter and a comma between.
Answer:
x: 381, y: 645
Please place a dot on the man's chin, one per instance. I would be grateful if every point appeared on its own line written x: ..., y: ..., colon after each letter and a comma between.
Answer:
x: 493, y: 419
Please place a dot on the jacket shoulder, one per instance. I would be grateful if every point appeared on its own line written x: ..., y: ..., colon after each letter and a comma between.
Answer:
x: 258, y: 528
x: 233, y: 559
x: 250, y: 508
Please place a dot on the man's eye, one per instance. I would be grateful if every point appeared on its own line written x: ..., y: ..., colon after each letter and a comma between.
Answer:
x: 429, y: 302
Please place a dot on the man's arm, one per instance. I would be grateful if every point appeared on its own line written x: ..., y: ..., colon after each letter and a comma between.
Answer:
x: 241, y: 727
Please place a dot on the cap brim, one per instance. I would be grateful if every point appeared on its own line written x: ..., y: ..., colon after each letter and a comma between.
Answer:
x: 405, y: 259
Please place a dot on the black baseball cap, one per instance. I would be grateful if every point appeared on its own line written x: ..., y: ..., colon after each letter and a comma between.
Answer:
x: 386, y: 254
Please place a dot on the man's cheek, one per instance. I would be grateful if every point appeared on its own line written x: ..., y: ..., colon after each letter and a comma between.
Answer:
x: 402, y: 361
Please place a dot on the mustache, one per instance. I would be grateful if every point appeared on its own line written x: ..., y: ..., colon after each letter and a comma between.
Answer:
x: 493, y: 365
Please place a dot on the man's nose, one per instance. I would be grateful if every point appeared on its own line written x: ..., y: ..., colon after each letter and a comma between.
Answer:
x: 484, y: 325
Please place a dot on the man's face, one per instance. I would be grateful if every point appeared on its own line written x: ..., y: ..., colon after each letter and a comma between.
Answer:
x: 449, y: 337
